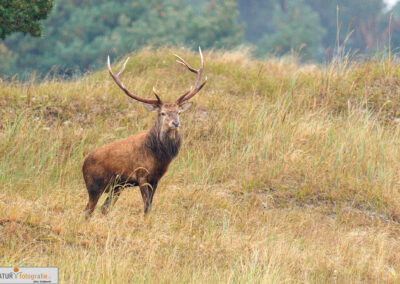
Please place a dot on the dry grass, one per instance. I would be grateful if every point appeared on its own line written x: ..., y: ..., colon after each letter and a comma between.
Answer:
x: 287, y: 174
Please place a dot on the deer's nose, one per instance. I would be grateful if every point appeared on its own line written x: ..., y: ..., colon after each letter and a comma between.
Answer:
x: 175, y: 123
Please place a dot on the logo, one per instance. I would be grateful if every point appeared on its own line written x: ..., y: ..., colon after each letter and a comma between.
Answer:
x: 21, y: 275
x: 16, y: 272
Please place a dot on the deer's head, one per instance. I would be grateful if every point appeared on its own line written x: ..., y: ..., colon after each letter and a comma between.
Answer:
x: 168, y: 113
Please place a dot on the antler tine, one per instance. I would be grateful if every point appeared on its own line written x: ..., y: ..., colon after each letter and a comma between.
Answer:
x: 183, y: 62
x: 123, y: 66
x: 121, y: 85
x: 155, y: 93
x: 197, y: 87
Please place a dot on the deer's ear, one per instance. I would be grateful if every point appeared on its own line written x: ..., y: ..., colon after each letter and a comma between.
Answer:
x: 185, y: 106
x: 151, y: 107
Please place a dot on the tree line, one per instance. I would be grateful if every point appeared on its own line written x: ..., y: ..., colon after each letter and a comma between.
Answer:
x: 72, y: 36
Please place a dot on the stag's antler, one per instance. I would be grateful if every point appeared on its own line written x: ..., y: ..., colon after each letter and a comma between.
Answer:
x: 121, y: 85
x: 197, y: 87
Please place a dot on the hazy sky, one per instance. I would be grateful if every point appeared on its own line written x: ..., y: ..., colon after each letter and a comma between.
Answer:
x: 391, y: 2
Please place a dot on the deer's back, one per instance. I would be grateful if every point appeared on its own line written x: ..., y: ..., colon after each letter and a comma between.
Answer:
x: 126, y: 158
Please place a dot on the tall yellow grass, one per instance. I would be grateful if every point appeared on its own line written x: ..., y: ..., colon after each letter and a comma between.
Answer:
x: 287, y: 173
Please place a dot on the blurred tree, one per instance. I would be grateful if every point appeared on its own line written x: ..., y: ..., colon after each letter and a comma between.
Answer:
x: 367, y: 15
x: 281, y: 30
x: 217, y: 28
x: 23, y: 16
x: 394, y: 28
x: 298, y: 29
x: 327, y: 12
x: 258, y: 16
x: 361, y: 19
x: 80, y: 34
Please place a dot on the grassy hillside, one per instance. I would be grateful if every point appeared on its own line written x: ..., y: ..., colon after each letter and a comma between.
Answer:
x: 286, y: 174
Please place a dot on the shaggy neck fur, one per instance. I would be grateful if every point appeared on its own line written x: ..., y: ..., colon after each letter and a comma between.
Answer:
x: 163, y: 144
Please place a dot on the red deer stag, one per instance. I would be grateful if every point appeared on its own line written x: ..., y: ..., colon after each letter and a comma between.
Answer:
x: 141, y: 159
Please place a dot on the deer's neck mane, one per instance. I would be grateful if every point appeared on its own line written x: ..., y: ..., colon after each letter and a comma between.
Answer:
x: 164, y: 145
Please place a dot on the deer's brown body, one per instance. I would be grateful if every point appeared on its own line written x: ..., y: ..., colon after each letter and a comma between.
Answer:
x: 141, y: 159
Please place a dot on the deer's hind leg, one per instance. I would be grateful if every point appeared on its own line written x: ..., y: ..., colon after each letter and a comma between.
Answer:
x: 95, y: 189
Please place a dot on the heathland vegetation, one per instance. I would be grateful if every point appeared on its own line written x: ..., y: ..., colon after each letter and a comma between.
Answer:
x: 288, y: 173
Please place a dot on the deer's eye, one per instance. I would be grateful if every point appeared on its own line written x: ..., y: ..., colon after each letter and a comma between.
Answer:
x: 163, y: 113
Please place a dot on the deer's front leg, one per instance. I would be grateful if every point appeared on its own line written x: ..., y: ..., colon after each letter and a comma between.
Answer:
x: 145, y: 190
